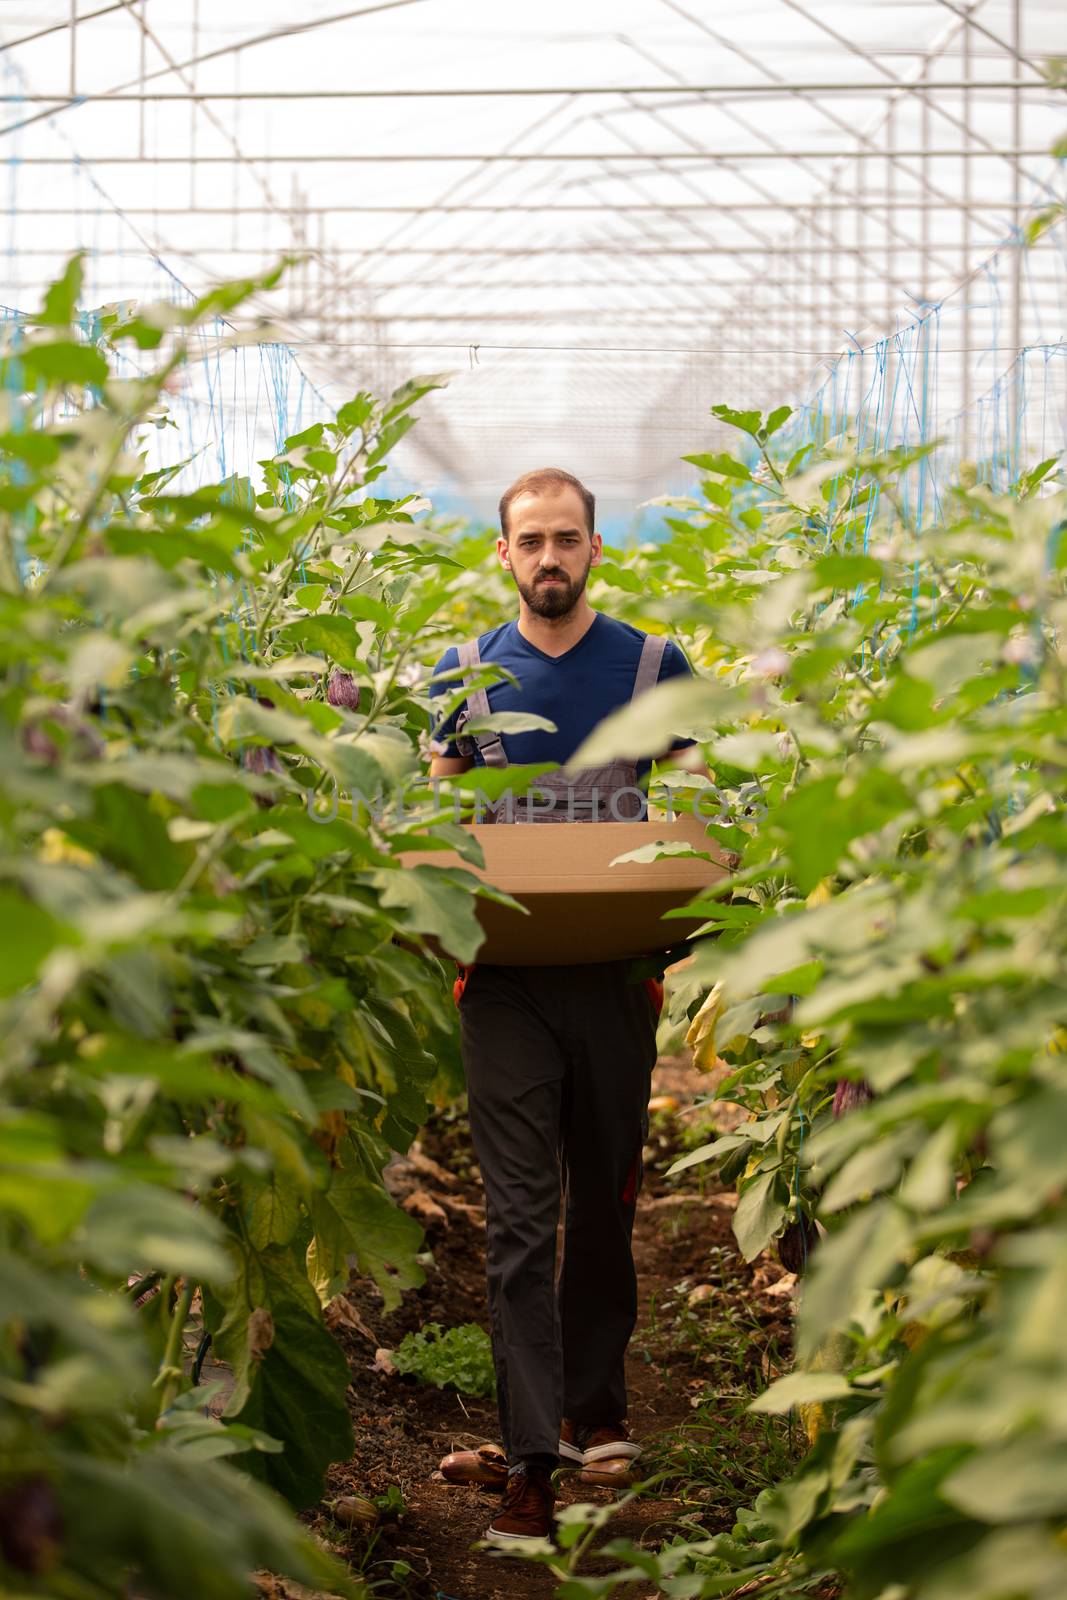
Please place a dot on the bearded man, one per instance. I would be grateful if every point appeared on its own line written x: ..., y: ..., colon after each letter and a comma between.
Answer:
x: 558, y: 1058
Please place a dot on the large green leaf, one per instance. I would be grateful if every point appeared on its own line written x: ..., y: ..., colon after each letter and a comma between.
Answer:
x: 358, y: 1226
x: 138, y: 1226
x: 290, y: 1375
x: 803, y: 1388
x: 761, y: 1213
x: 848, y: 1266
x: 1024, y: 1480
x: 169, y: 1512
x: 435, y: 901
x: 681, y: 707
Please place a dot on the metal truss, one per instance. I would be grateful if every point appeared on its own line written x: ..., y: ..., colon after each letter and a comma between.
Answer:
x: 832, y: 228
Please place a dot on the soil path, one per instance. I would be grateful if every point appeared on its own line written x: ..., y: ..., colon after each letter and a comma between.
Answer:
x: 682, y: 1242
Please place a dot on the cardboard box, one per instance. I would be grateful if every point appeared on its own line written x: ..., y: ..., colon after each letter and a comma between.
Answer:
x: 582, y: 908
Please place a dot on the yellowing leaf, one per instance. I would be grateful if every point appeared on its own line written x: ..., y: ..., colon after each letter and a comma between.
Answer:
x: 701, y: 1034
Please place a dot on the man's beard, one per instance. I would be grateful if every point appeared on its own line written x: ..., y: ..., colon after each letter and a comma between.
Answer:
x: 554, y: 599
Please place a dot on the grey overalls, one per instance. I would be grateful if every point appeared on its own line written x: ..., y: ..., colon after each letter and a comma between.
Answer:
x: 558, y: 1062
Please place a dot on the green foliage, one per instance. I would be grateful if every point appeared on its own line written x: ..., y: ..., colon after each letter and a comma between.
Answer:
x: 885, y: 713
x: 212, y: 1039
x: 452, y: 1358
x: 218, y: 1021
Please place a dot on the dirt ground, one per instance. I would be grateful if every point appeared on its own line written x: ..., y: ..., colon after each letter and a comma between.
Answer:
x: 682, y: 1242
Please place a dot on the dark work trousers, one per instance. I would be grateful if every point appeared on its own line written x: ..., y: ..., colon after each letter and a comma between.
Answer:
x: 559, y: 1065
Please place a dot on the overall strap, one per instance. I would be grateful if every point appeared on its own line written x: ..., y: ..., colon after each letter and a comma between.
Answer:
x: 477, y: 705
x: 651, y: 661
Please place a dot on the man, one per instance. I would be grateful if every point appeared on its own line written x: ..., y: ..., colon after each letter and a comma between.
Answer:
x: 558, y: 1058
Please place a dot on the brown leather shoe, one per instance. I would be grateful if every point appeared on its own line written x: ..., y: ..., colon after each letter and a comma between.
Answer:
x: 616, y: 1473
x: 487, y: 1466
x: 529, y: 1504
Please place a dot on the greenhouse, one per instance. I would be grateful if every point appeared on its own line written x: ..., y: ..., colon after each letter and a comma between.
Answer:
x: 646, y: 418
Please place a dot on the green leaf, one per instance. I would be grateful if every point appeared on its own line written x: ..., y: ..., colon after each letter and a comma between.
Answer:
x: 27, y: 936
x: 1022, y: 1480
x: 510, y: 722
x: 138, y: 1226
x: 708, y: 1152
x: 1023, y: 1138
x: 679, y: 708
x: 99, y: 1325
x: 438, y: 901
x: 760, y: 1215
x: 948, y: 660
x: 908, y: 704
x: 296, y: 1393
x: 334, y: 636
x: 848, y: 1264
x: 411, y: 391
x: 355, y: 413
x: 61, y: 362
x: 788, y: 1508
x: 290, y: 1375
x: 873, y: 1168
x: 912, y: 1510
x: 803, y: 1388
x: 1029, y: 1561
x: 142, y: 1522
x: 725, y: 465
x: 273, y: 1211
x: 746, y: 421
x: 822, y: 817
x: 61, y: 296
x: 837, y: 571
x: 37, y: 449
x: 356, y: 1220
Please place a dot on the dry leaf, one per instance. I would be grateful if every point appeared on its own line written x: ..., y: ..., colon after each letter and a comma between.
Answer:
x: 428, y: 1167
x: 421, y: 1204
x: 341, y: 1313
x: 260, y: 1333
x: 462, y: 1208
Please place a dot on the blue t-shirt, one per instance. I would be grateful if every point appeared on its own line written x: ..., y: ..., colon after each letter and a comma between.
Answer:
x: 576, y: 690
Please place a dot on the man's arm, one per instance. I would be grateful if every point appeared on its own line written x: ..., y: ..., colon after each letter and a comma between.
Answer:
x: 449, y: 766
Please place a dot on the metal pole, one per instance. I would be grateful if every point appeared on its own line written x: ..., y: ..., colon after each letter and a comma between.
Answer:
x: 73, y: 28
x: 966, y: 49
x: 861, y: 245
x: 192, y: 107
x: 871, y: 204
x: 701, y: 92
x: 924, y: 216
x: 709, y: 159
x: 1017, y: 247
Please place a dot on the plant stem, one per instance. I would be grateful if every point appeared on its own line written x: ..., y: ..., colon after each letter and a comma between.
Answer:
x: 170, y: 1375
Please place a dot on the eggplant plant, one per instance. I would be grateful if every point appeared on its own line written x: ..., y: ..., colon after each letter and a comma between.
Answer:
x: 884, y: 708
x: 218, y: 1019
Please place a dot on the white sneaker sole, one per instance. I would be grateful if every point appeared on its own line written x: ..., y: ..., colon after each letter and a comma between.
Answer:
x: 622, y: 1450
x: 491, y: 1536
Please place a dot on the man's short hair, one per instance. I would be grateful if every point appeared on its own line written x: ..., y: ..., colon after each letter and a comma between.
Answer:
x: 540, y: 480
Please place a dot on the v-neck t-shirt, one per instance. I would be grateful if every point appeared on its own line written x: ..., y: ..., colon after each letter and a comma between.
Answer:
x: 576, y: 690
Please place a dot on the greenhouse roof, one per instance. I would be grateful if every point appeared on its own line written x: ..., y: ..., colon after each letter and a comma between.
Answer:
x: 601, y: 217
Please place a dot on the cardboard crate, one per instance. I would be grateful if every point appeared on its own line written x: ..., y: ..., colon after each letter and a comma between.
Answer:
x: 581, y: 908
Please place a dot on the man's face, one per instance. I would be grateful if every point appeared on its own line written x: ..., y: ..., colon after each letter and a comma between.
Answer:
x: 550, y: 550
